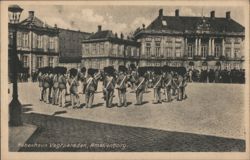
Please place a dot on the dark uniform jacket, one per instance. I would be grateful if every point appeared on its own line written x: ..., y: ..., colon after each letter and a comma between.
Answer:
x: 40, y: 80
x: 109, y: 83
x: 90, y: 84
x: 55, y: 81
x: 140, y: 81
x: 121, y: 81
x: 46, y: 81
x: 73, y: 85
x: 158, y: 81
x: 62, y: 82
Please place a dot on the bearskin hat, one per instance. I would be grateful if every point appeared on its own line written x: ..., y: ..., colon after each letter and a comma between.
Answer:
x: 122, y: 69
x: 91, y: 71
x: 73, y: 72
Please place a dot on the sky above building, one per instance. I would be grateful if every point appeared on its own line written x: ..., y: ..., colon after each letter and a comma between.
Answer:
x: 119, y: 19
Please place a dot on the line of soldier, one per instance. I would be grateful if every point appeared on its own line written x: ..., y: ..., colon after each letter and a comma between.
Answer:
x: 56, y: 82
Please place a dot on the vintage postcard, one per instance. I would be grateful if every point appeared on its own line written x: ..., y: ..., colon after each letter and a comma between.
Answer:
x: 124, y: 80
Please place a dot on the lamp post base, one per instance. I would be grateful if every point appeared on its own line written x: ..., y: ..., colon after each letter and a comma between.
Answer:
x: 15, y: 111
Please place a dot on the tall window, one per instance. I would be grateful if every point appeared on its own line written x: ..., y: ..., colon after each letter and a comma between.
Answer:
x: 50, y: 61
x: 227, y: 52
x: 87, y: 48
x: 51, y: 43
x: 39, y: 41
x: 102, y: 48
x: 204, y: 50
x: 19, y: 39
x: 94, y: 48
x: 25, y: 61
x: 178, y: 51
x: 157, y: 48
x: 217, y: 50
x: 190, y: 50
x: 39, y: 62
x: 148, y: 49
x: 236, y: 52
x: 25, y: 39
x: 169, y: 51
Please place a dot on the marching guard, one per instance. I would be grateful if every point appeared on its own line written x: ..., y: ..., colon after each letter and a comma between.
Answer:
x: 122, y: 88
x: 90, y: 87
x: 73, y: 88
x: 41, y: 81
x: 55, y: 89
x: 109, y: 86
x: 62, y: 87
x: 157, y: 86
x: 140, y: 86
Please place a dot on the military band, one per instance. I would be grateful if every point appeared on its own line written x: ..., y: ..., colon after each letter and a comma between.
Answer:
x: 54, y: 83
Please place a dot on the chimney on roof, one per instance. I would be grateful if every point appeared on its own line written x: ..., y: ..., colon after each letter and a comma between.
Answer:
x: 116, y: 35
x: 55, y: 26
x: 160, y: 12
x: 99, y: 28
x: 177, y: 13
x: 228, y: 15
x: 212, y: 14
x: 122, y: 35
x: 31, y: 14
x: 143, y: 26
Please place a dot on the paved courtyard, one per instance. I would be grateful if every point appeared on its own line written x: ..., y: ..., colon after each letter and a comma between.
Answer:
x: 210, y: 119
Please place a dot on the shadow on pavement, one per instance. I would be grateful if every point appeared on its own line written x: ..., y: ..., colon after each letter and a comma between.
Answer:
x: 59, y: 112
x: 59, y: 134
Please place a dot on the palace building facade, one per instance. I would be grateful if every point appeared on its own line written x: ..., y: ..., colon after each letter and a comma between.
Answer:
x: 37, y: 43
x: 192, y: 41
x: 104, y: 48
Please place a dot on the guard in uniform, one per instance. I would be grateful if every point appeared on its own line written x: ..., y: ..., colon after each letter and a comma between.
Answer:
x: 179, y: 87
x: 73, y: 88
x: 55, y: 88
x: 46, y: 86
x: 121, y: 86
x: 167, y: 83
x: 40, y: 80
x: 62, y: 87
x: 140, y: 86
x: 90, y: 86
x: 157, y: 86
x: 109, y: 86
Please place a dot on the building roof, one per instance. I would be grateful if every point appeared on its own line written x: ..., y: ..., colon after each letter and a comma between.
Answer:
x: 108, y: 35
x: 34, y: 21
x: 102, y: 34
x: 188, y: 24
x: 183, y: 23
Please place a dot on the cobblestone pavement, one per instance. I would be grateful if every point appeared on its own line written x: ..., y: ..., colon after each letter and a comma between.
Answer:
x: 210, y: 112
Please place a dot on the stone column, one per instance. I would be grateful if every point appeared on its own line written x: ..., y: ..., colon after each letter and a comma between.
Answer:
x: 195, y: 53
x: 185, y: 51
x: 212, y: 49
x: 223, y: 47
x: 209, y: 47
x: 232, y: 49
x: 199, y: 51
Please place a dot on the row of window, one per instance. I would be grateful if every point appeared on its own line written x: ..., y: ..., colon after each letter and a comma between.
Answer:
x: 115, y: 49
x: 39, y: 61
x: 39, y: 41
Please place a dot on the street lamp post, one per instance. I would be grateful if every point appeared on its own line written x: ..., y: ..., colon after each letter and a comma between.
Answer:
x: 15, y: 107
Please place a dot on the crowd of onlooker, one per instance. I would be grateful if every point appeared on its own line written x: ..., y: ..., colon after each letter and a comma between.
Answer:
x: 216, y: 76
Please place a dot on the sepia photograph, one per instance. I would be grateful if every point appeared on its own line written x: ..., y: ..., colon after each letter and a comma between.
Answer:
x: 125, y: 77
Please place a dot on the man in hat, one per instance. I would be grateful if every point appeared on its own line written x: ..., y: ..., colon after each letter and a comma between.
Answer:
x: 55, y: 89
x: 109, y: 85
x: 167, y: 83
x: 121, y: 86
x: 46, y: 86
x: 157, y: 86
x: 41, y: 81
x: 62, y: 88
x: 73, y: 82
x: 82, y: 79
x: 140, y: 86
x: 90, y: 86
